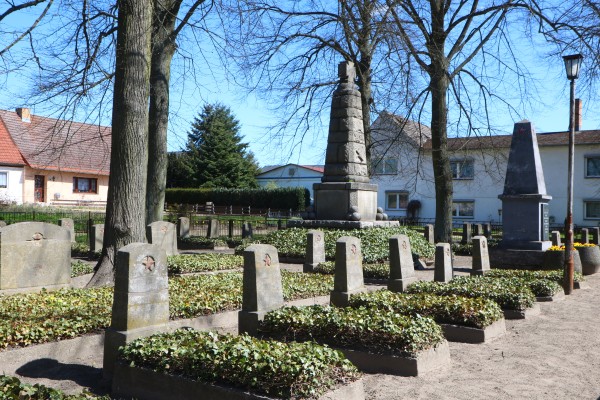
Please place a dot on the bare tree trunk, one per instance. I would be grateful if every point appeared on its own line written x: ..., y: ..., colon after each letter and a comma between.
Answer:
x: 438, y: 73
x: 129, y: 147
x: 163, y: 48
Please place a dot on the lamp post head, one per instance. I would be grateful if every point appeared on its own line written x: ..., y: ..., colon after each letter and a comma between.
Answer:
x: 573, y: 65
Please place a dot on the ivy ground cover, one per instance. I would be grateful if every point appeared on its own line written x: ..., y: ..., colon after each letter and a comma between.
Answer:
x: 282, y: 370
x: 27, y: 319
x: 459, y: 310
x: 382, y: 332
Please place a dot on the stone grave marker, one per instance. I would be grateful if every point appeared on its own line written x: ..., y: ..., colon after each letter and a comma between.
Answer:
x: 163, y: 234
x: 34, y: 255
x: 428, y: 232
x: 246, y: 230
x: 96, y: 238
x: 478, y: 230
x: 262, y: 290
x: 556, y: 238
x: 466, y: 233
x: 585, y: 235
x: 443, y: 263
x: 315, y: 250
x: 2, y: 223
x: 213, y: 228
x: 348, y: 278
x: 487, y: 230
x: 481, y: 258
x: 402, y: 269
x: 595, y: 235
x: 141, y: 298
x: 183, y: 227
x: 69, y: 225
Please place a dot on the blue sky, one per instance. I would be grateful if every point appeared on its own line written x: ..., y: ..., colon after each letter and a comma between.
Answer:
x: 547, y: 109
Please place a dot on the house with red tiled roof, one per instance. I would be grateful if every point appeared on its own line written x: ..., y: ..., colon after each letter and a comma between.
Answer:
x: 291, y: 175
x: 52, y: 161
x: 478, y: 165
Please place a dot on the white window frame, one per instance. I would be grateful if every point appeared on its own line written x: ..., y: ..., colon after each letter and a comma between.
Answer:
x: 397, y: 193
x: 382, y: 165
x: 586, y: 158
x: 585, y: 209
x: 461, y: 163
x: 458, y: 215
x: 5, y: 174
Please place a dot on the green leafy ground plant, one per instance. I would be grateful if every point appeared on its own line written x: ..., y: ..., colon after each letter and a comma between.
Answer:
x: 32, y: 318
x: 380, y: 332
x: 473, y: 312
x: 552, y: 275
x: 79, y: 268
x: 11, y: 388
x: 281, y: 370
x: 509, y: 294
x: 190, y: 263
x: 370, y: 271
x: 374, y: 242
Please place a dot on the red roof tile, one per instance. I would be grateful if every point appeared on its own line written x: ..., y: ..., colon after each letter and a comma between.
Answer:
x: 9, y: 153
x: 48, y: 143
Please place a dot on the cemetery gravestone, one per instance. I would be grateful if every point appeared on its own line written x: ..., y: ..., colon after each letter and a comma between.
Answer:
x: 163, y: 234
x: 246, y: 230
x: 348, y: 278
x: 315, y: 250
x: 2, y: 223
x: 69, y: 225
x: 556, y: 238
x: 213, y: 228
x: 429, y: 233
x: 141, y: 298
x: 96, y: 238
x: 595, y: 235
x: 262, y: 290
x: 477, y: 230
x: 183, y: 227
x: 585, y: 235
x: 487, y: 230
x: 34, y: 255
x: 443, y: 263
x: 402, y: 270
x: 466, y: 233
x: 481, y: 259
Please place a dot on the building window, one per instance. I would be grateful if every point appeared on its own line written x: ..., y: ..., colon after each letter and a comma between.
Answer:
x: 592, y: 166
x: 462, y: 169
x: 385, y: 165
x: 463, y: 208
x: 85, y: 185
x: 396, y: 200
x: 3, y: 180
x: 591, y: 209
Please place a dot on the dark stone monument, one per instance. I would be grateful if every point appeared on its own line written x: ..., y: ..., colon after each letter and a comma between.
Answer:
x: 262, y: 290
x: 525, y: 215
x: 345, y: 198
x: 402, y: 268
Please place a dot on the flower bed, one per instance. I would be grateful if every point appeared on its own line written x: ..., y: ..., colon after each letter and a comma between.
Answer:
x: 190, y: 263
x: 282, y: 370
x: 13, y: 388
x: 353, y: 328
x: 27, y: 319
x: 374, y: 242
x: 509, y: 294
x: 459, y: 310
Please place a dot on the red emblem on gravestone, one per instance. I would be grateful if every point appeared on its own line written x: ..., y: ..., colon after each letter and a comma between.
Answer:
x: 318, y: 238
x: 267, y: 260
x: 37, y: 236
x: 353, y: 249
x: 163, y: 229
x: 483, y: 245
x: 448, y: 252
x: 149, y: 263
x: 404, y: 246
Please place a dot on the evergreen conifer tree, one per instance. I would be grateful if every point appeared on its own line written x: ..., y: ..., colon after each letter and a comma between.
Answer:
x: 217, y: 154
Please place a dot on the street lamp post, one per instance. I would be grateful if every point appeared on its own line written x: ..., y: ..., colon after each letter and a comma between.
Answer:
x: 572, y: 64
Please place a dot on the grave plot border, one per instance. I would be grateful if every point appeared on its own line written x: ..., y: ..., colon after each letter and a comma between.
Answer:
x: 522, y: 314
x: 556, y: 297
x: 145, y: 384
x: 468, y: 334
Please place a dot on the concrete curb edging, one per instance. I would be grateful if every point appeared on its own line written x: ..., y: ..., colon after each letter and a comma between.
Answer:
x: 145, y: 384
x: 426, y: 360
x: 467, y: 334
x: 522, y: 314
x: 557, y: 297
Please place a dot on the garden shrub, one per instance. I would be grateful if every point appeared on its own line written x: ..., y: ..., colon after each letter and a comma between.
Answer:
x: 353, y: 328
x: 281, y: 370
x: 474, y: 312
x: 189, y: 263
x: 509, y: 295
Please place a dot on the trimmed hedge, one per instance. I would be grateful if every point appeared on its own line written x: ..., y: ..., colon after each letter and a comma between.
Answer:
x: 474, y: 312
x: 374, y: 242
x: 353, y: 328
x: 509, y: 295
x: 278, y: 199
x: 282, y: 370
x: 190, y: 263
x: 12, y: 388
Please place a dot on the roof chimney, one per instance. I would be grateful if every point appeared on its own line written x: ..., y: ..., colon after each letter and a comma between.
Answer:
x: 24, y: 113
x: 578, y: 114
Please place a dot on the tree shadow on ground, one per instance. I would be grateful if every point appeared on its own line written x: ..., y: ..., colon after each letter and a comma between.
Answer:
x: 82, y: 375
